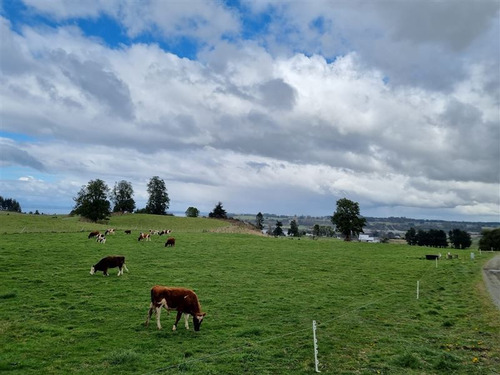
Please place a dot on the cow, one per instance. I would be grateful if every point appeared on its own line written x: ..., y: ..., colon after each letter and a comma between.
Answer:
x: 93, y: 234
x: 165, y: 231
x: 100, y: 238
x: 170, y: 242
x: 152, y: 231
x: 111, y: 261
x: 109, y: 231
x: 128, y: 231
x: 185, y: 301
x: 144, y: 236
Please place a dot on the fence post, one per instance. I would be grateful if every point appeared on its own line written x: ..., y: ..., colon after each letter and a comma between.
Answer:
x: 315, y: 348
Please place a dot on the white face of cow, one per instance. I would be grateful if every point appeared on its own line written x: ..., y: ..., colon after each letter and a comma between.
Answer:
x: 197, y: 320
x: 92, y: 270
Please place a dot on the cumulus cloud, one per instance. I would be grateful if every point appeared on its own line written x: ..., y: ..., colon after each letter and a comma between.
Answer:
x: 245, y: 119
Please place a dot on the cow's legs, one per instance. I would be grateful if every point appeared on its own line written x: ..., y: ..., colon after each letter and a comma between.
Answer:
x: 158, y: 313
x: 105, y: 272
x: 186, y: 321
x: 150, y: 312
x: 125, y: 266
x: 120, y: 271
x: 177, y: 318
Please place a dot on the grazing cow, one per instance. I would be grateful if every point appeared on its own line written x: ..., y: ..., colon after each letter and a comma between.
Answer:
x: 128, y: 231
x: 100, y: 238
x: 170, y: 242
x: 144, y: 236
x: 111, y: 261
x: 93, y: 234
x: 183, y: 300
x: 165, y: 231
x: 109, y: 231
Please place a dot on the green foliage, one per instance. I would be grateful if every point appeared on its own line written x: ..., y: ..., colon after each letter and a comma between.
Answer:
x: 218, y: 212
x: 460, y: 239
x: 9, y: 204
x: 57, y: 319
x: 294, y: 229
x: 122, y: 197
x: 490, y: 240
x: 347, y: 218
x: 432, y: 238
x: 411, y: 237
x: 192, y: 212
x: 278, y: 230
x: 91, y: 201
x: 158, y: 202
x: 259, y: 221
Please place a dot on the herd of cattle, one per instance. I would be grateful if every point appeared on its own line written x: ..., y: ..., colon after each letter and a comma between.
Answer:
x: 183, y: 300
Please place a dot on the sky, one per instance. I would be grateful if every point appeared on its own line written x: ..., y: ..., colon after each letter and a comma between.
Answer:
x: 267, y: 106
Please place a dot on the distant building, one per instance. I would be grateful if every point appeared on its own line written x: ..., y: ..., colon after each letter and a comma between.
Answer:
x: 367, y: 238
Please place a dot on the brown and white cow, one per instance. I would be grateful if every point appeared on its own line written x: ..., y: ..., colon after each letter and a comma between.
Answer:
x: 93, y: 234
x: 144, y: 236
x: 101, y: 238
x: 109, y: 231
x: 111, y: 261
x: 185, y: 301
x: 170, y: 242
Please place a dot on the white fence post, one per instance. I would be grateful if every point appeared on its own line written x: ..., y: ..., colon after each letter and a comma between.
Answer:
x: 315, y: 347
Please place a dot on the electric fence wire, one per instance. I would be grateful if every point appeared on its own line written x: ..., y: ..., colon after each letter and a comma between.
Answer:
x: 350, y: 311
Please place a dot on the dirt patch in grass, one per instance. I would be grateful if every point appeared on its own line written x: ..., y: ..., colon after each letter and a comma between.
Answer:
x: 491, y: 277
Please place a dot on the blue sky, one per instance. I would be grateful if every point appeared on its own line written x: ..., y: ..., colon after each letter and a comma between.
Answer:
x: 271, y: 106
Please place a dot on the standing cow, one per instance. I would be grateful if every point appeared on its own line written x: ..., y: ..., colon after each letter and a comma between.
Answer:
x: 144, y: 236
x: 185, y: 301
x: 93, y: 234
x: 111, y: 261
x: 170, y: 242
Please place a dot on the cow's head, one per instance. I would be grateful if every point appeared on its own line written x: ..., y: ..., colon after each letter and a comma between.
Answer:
x: 197, y: 320
x: 92, y: 270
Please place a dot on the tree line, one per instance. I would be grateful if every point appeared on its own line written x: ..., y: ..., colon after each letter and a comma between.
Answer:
x: 459, y: 239
x: 93, y: 201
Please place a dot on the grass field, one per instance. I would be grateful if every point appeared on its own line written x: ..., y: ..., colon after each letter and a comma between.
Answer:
x: 260, y: 294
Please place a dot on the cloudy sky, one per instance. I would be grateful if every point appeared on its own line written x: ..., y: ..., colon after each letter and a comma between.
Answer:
x: 272, y: 106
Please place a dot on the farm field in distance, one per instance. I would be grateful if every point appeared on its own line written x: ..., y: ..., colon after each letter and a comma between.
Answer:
x: 260, y: 295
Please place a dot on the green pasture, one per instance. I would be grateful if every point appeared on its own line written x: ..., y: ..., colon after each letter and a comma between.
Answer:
x: 260, y: 295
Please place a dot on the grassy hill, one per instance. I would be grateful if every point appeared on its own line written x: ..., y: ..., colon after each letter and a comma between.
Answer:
x: 260, y: 294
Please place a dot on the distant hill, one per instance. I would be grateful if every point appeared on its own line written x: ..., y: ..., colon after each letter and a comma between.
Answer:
x: 397, y: 225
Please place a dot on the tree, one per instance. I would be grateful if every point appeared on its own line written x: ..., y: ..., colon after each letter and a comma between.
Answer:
x: 459, y: 239
x: 192, y: 212
x: 411, y: 237
x: 91, y: 201
x: 9, y: 204
x: 294, y: 229
x: 490, y: 239
x: 259, y: 221
x: 278, y: 231
x: 218, y: 212
x: 158, y: 201
x: 347, y: 219
x: 122, y: 197
x: 316, y: 230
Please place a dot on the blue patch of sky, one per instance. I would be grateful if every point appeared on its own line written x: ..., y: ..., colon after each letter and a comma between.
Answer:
x: 15, y: 173
x: 20, y: 15
x: 17, y: 136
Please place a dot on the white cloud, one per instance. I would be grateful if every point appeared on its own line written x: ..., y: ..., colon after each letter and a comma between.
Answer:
x: 244, y: 123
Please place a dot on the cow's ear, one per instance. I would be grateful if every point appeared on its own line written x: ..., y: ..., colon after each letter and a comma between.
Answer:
x: 203, y: 314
